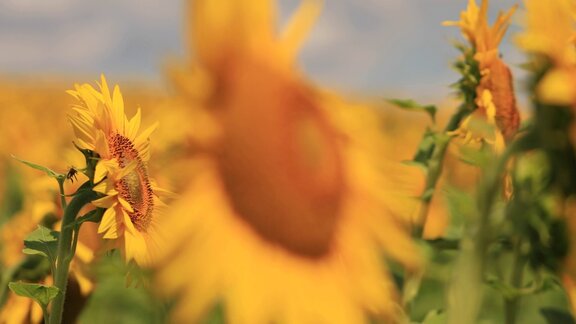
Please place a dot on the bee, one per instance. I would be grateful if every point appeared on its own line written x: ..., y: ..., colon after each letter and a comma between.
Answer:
x: 71, y: 175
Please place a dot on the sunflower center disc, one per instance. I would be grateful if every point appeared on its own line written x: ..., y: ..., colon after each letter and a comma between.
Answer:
x: 280, y: 161
x: 135, y: 186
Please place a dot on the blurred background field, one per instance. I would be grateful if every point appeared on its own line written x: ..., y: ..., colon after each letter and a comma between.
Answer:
x: 368, y: 51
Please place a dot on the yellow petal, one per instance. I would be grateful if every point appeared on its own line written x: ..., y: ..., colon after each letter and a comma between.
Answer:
x: 134, y: 125
x: 128, y: 222
x: 106, y: 187
x: 125, y: 204
x: 105, y: 202
x: 557, y: 87
x: 299, y: 27
x: 108, y: 220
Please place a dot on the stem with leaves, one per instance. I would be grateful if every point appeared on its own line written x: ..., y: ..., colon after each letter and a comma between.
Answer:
x: 65, y: 253
x: 435, y: 166
x: 473, y: 262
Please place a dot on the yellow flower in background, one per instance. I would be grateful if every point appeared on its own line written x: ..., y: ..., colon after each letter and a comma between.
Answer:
x: 130, y: 196
x: 495, y: 93
x: 550, y: 31
x: 290, y: 214
x: 19, y: 310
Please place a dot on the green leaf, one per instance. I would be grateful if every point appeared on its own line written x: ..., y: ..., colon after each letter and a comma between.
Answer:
x: 13, y: 197
x: 476, y: 157
x: 409, y: 104
x: 436, y: 316
x: 94, y: 216
x: 39, y: 293
x: 114, y: 301
x: 557, y: 316
x: 43, y: 241
x: 461, y: 206
x: 425, y: 148
x: 427, y: 195
x: 44, y: 169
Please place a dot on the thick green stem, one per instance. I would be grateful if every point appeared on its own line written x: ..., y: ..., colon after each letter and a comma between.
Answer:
x: 64, y: 250
x: 473, y: 261
x: 45, y: 314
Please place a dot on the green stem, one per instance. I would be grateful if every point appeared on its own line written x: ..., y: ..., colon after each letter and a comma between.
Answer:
x: 64, y: 249
x: 62, y: 196
x: 45, y: 314
x: 480, y: 233
x: 435, y: 166
x: 511, y: 303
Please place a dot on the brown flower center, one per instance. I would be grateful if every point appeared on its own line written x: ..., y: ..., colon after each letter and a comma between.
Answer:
x: 135, y: 187
x: 499, y: 82
x: 280, y: 161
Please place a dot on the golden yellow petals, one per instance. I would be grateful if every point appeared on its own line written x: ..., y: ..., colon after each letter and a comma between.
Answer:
x: 550, y: 30
x: 121, y: 174
x: 221, y: 27
x: 558, y: 87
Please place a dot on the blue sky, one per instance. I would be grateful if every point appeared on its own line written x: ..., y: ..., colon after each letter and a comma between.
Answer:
x: 389, y: 47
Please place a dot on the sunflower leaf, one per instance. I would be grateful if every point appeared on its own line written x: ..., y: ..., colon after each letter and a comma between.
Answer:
x: 409, y: 104
x: 553, y: 315
x: 94, y: 216
x: 425, y: 148
x: 44, y: 169
x: 39, y: 293
x: 43, y: 241
x: 435, y: 316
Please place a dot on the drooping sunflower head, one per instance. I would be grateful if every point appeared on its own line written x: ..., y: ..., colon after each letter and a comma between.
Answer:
x: 121, y: 173
x: 494, y: 93
x: 287, y: 222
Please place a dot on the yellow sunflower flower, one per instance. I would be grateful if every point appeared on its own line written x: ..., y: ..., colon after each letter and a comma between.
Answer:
x: 290, y: 217
x: 495, y: 93
x: 550, y: 31
x: 130, y: 196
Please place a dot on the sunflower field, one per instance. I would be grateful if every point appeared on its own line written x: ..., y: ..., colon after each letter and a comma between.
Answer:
x: 241, y: 190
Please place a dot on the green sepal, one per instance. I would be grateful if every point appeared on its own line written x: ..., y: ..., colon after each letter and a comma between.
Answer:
x: 48, y: 171
x: 411, y: 105
x: 39, y: 293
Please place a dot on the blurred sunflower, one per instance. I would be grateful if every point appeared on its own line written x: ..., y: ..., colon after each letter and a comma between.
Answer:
x: 550, y: 32
x: 549, y: 37
x: 290, y: 213
x: 495, y: 97
x: 121, y: 174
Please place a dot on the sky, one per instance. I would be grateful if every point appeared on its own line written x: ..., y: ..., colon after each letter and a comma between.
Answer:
x: 389, y: 47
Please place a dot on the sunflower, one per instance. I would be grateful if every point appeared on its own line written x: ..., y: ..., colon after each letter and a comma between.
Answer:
x: 495, y: 97
x: 548, y: 37
x: 121, y: 174
x: 550, y: 32
x: 290, y: 216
